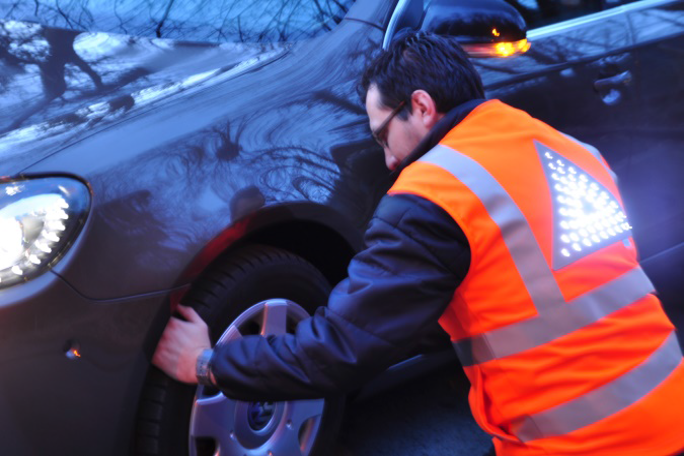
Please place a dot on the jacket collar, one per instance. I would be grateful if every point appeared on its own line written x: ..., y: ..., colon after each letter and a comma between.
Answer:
x: 439, y: 131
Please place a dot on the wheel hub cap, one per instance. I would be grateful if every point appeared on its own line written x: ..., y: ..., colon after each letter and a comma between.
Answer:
x: 239, y: 428
x: 260, y: 414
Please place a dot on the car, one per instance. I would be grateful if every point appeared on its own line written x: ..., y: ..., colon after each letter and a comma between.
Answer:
x: 216, y: 153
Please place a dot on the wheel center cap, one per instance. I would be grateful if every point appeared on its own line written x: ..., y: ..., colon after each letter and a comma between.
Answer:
x: 259, y: 414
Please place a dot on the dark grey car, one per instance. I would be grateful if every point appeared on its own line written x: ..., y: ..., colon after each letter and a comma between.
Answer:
x: 217, y: 152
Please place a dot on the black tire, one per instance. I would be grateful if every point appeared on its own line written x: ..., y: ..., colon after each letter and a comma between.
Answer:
x: 253, y: 274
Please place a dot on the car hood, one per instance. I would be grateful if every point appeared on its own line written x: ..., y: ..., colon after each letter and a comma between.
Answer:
x: 57, y: 86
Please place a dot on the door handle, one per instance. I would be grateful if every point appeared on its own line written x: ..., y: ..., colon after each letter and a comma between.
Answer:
x: 614, y: 82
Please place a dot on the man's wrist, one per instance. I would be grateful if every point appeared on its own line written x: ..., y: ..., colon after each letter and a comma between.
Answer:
x: 203, y: 368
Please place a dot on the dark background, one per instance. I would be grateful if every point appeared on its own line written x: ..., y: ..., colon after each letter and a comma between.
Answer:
x: 426, y: 417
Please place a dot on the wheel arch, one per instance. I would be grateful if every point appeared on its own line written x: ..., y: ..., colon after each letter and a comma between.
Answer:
x: 317, y: 233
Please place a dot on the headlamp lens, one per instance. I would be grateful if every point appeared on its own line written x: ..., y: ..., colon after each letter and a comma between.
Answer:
x: 39, y: 218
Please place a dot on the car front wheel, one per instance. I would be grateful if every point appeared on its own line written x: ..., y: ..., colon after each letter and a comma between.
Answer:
x: 259, y: 290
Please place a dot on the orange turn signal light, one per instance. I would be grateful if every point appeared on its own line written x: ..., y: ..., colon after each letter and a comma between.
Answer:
x: 501, y: 49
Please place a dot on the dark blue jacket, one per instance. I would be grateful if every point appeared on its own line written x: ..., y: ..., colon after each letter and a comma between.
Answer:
x: 398, y: 287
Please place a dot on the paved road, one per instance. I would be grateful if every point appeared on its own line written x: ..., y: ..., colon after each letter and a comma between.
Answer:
x: 427, y: 417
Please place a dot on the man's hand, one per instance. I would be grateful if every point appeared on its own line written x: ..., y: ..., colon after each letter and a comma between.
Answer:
x: 181, y: 344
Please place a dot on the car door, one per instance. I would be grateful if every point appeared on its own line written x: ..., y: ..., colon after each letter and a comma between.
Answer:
x: 578, y: 76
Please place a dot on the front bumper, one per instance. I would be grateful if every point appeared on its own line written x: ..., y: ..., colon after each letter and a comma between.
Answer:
x: 51, y: 403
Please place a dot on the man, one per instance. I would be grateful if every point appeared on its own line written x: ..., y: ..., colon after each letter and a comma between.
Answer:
x: 512, y: 236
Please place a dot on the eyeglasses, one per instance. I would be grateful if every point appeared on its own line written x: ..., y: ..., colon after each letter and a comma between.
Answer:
x: 377, y: 133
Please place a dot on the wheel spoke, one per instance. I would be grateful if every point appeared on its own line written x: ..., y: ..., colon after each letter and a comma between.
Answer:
x: 232, y: 333
x: 287, y: 445
x: 274, y: 318
x: 301, y: 411
x: 213, y: 417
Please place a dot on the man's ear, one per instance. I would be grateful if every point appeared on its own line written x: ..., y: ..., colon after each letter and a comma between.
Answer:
x: 424, y: 106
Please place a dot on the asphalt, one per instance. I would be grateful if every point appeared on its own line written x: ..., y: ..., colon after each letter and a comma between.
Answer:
x: 427, y: 417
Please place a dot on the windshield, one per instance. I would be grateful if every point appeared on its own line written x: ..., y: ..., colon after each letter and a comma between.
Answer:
x: 213, y: 21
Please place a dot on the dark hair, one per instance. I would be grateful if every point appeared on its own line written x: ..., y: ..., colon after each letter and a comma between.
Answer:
x: 421, y: 60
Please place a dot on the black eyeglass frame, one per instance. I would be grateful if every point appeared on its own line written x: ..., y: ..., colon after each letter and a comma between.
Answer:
x: 383, y: 126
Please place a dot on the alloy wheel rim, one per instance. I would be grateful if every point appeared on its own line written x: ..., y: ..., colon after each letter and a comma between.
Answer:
x: 220, y: 426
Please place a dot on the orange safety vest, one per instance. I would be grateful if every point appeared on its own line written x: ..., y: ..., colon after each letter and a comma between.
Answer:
x: 567, y: 349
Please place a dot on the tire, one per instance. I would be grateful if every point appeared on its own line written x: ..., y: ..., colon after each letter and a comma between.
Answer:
x: 170, y: 413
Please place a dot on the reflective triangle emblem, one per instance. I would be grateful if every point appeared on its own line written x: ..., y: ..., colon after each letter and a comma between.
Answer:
x: 586, y: 216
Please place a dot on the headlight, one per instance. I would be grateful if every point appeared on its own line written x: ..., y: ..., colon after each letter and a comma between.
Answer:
x: 39, y: 218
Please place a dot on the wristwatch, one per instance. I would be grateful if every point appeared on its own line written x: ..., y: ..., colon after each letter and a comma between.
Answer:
x: 203, y: 367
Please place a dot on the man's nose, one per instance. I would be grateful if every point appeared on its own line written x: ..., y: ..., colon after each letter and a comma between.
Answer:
x: 390, y: 160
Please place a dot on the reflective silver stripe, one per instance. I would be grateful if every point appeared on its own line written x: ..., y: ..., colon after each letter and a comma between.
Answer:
x: 595, y: 152
x: 555, y: 317
x: 557, y: 322
x: 605, y: 400
x: 516, y: 232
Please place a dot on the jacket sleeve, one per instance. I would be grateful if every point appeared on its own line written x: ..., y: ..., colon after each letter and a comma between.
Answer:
x: 398, y: 287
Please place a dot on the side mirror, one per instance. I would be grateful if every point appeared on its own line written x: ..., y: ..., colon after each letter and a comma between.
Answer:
x: 485, y: 28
